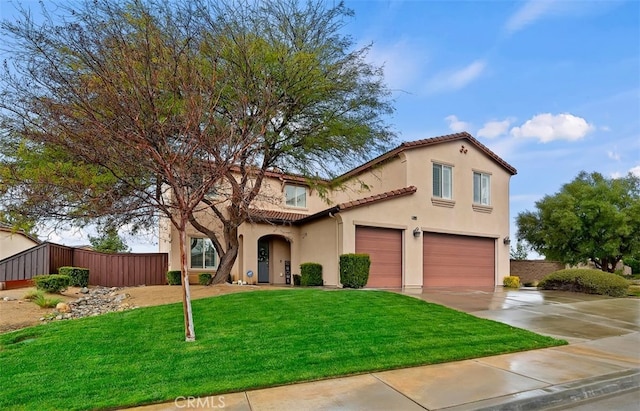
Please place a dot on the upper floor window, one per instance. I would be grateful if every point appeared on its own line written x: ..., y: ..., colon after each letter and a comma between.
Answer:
x: 481, y: 188
x: 203, y: 254
x: 295, y: 196
x: 442, y: 181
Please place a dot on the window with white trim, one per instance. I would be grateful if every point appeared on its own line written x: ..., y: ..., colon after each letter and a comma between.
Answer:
x: 203, y: 254
x: 481, y: 188
x: 295, y: 196
x: 442, y: 181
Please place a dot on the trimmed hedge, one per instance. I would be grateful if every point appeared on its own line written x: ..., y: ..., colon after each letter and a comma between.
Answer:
x: 586, y: 280
x: 311, y: 274
x: 354, y: 270
x: 54, y: 283
x: 204, y: 278
x: 511, y: 281
x: 79, y: 276
x: 174, y: 277
x: 296, y: 279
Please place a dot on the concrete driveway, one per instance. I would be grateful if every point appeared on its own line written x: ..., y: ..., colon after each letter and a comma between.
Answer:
x: 574, y: 317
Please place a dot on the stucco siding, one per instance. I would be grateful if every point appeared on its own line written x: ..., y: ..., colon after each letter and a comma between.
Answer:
x: 319, y: 244
x: 12, y: 243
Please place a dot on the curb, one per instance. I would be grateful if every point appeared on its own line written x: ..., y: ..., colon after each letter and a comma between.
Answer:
x: 560, y: 395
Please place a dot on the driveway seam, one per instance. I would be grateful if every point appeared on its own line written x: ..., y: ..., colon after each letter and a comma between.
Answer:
x: 399, y: 392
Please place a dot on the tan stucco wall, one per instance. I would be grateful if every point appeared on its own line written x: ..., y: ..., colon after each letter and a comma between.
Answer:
x: 391, y: 175
x: 462, y: 218
x: 12, y: 243
x: 319, y: 244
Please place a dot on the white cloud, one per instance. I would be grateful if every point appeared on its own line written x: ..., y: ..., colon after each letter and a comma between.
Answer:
x: 493, y: 129
x: 402, y: 63
x: 549, y: 127
x: 455, y: 124
x: 451, y: 80
x: 635, y: 171
x: 531, y: 11
x: 613, y: 154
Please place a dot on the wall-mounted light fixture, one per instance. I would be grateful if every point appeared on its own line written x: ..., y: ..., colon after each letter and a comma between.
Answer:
x: 417, y: 232
x: 506, y: 240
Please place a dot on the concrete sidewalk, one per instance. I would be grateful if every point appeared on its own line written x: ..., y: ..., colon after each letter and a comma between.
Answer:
x: 603, y: 358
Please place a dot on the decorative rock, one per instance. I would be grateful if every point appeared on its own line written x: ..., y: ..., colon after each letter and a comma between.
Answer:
x: 9, y: 299
x: 63, y: 308
x: 99, y: 300
x: 84, y: 290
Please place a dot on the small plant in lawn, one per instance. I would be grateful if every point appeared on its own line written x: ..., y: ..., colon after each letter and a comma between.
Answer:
x: 45, y: 302
x: 511, y: 281
x: 53, y: 283
x: 204, y: 278
x: 174, y: 277
x: 311, y: 274
x: 32, y: 295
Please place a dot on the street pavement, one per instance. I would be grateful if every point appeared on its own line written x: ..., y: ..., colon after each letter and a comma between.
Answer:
x: 599, y: 367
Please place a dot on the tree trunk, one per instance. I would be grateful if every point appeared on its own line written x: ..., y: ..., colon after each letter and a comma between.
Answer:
x: 229, y: 257
x: 189, y: 332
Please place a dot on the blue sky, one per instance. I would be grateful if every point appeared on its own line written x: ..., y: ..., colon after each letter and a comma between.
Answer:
x: 553, y: 87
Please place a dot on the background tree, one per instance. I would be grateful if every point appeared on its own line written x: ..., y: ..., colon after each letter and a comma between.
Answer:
x: 592, y: 218
x: 519, y: 252
x: 109, y: 241
x: 130, y: 111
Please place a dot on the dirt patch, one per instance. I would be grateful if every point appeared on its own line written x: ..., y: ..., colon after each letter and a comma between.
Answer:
x: 17, y: 313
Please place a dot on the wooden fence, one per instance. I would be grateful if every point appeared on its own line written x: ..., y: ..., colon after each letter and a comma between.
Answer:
x: 110, y: 270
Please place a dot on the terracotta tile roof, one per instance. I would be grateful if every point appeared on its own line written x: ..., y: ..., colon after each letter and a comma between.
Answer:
x: 427, y: 142
x: 283, y: 217
x: 401, y: 192
x: 274, y: 216
x: 378, y: 198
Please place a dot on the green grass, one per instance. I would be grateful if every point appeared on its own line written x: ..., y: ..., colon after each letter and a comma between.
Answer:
x: 244, y: 341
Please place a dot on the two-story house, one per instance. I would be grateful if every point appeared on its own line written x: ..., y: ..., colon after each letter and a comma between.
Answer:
x: 430, y: 213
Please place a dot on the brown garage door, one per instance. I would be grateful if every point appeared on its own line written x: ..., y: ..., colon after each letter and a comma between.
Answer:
x: 384, y: 246
x: 457, y: 260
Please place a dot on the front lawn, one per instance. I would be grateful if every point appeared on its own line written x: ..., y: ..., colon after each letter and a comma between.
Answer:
x: 244, y: 341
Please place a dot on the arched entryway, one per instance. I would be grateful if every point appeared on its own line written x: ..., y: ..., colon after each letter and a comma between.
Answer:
x: 274, y: 260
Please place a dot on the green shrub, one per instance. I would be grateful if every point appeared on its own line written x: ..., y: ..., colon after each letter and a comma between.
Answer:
x: 511, y: 281
x: 354, y: 270
x: 79, y: 276
x: 296, y: 279
x: 44, y: 302
x: 311, y: 274
x: 205, y: 278
x: 54, y: 283
x: 174, y: 277
x: 586, y: 280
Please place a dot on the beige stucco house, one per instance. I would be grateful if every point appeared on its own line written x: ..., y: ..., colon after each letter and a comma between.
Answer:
x: 14, y: 241
x: 430, y: 213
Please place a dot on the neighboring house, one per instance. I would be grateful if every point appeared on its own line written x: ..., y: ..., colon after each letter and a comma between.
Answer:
x: 435, y: 213
x: 14, y: 241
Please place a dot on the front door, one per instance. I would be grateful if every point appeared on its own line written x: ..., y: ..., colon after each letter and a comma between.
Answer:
x: 263, y: 261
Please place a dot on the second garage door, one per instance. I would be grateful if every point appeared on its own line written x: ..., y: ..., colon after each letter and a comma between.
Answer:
x: 456, y: 260
x: 384, y: 246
